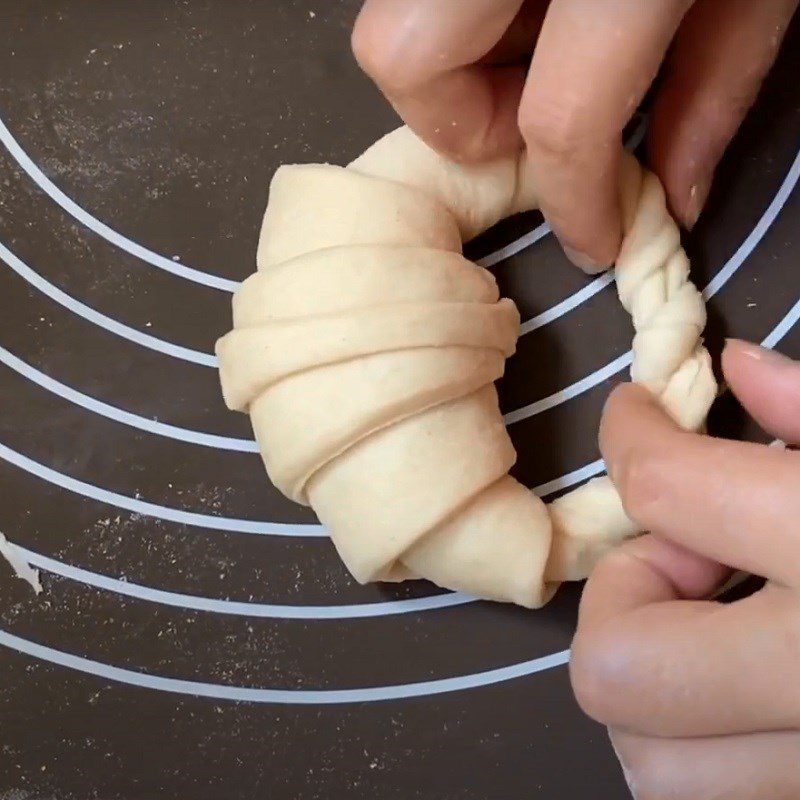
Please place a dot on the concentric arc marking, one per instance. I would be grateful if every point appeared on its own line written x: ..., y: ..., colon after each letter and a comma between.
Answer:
x: 320, y: 696
x: 209, y: 521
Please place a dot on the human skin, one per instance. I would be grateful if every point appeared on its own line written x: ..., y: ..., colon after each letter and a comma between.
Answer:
x: 460, y: 73
x: 701, y: 699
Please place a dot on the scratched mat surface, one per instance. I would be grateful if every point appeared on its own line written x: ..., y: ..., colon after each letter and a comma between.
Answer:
x: 197, y: 636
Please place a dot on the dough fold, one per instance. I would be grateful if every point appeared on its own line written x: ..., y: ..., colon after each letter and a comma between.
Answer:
x: 365, y: 349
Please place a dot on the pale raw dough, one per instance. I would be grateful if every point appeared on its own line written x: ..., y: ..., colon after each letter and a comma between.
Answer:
x: 365, y: 349
x: 22, y: 569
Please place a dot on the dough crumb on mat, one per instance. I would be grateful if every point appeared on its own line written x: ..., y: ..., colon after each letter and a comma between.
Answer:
x: 22, y: 569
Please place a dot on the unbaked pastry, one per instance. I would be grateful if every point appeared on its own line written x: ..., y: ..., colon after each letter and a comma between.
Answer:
x: 365, y: 349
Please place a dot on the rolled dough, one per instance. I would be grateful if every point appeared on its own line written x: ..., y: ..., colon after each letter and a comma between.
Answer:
x: 365, y: 349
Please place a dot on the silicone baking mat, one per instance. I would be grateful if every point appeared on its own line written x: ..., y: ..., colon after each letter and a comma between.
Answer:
x: 197, y: 636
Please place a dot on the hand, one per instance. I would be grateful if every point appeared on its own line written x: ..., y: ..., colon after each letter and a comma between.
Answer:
x: 702, y: 698
x: 459, y: 73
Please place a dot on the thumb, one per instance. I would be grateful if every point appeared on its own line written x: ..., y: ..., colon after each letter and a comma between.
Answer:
x: 767, y: 384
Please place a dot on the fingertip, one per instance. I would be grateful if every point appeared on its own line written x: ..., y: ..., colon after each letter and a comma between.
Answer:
x: 592, y: 246
x: 740, y: 351
x: 639, y: 441
x: 721, y: 54
x: 689, y: 210
x: 610, y: 651
x: 630, y: 392
x: 585, y: 262
x: 373, y: 40
x: 683, y: 164
x: 582, y: 205
x: 691, y: 576
x: 607, y: 650
x: 745, y: 363
x: 576, y: 168
x: 733, y: 353
x: 621, y: 406
x: 767, y: 384
x: 686, y: 138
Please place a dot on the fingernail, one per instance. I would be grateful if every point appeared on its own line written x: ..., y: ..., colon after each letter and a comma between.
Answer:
x: 770, y: 358
x: 583, y: 261
x: 698, y: 194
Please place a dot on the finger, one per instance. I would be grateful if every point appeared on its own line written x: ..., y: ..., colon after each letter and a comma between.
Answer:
x: 593, y: 63
x: 733, y: 502
x: 517, y: 43
x: 645, y: 661
x: 656, y: 571
x: 768, y: 386
x: 760, y: 766
x: 423, y: 57
x: 723, y: 51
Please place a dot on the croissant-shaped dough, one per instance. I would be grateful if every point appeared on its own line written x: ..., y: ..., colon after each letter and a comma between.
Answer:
x: 365, y: 349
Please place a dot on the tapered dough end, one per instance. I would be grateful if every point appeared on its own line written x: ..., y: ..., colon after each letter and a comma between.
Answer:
x: 225, y: 350
x: 310, y: 418
x: 255, y: 358
x: 496, y: 547
x: 359, y: 276
x: 389, y: 490
x: 587, y: 523
x: 313, y: 206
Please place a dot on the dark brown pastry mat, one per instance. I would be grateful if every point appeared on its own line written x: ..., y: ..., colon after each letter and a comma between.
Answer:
x: 136, y: 145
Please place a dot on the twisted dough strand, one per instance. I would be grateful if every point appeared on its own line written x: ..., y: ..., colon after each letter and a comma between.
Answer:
x: 365, y: 349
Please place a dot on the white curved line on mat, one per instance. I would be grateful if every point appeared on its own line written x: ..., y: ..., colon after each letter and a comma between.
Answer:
x: 280, y: 696
x: 251, y: 526
x: 103, y: 230
x: 783, y: 327
x: 155, y: 259
x: 209, y: 521
x: 208, y: 359
x: 279, y: 611
x: 565, y: 306
x: 573, y: 390
x: 537, y: 407
x: 318, y: 696
x: 512, y: 248
x: 137, y: 506
x: 101, y: 320
x: 216, y: 282
x: 239, y: 608
x: 714, y: 285
x: 322, y: 612
x: 120, y: 415
x: 249, y: 445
